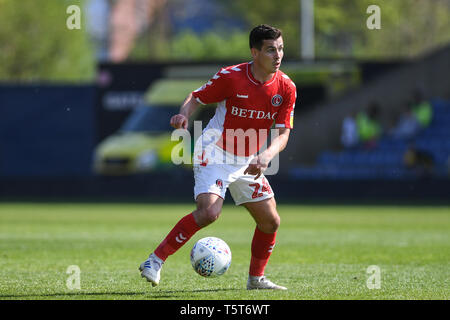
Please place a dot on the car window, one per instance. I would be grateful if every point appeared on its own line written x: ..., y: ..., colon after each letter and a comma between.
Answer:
x: 149, y: 119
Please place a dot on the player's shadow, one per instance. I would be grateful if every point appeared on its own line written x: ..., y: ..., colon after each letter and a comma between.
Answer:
x: 201, y: 290
x: 176, y: 293
x: 155, y: 294
x: 73, y: 294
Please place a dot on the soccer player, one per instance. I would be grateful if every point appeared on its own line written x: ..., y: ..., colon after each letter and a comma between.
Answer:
x: 251, y: 97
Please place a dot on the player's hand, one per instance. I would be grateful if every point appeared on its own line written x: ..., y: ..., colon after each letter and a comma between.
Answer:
x: 179, y: 121
x: 257, y: 166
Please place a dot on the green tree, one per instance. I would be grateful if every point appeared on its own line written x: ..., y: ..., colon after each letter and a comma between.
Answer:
x: 36, y: 45
x: 283, y: 14
x: 409, y: 27
x: 211, y: 45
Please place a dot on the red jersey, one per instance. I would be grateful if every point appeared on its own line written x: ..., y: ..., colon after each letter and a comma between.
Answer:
x: 247, y: 107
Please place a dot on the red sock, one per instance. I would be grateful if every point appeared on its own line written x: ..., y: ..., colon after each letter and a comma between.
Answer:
x: 262, y: 246
x: 177, y: 237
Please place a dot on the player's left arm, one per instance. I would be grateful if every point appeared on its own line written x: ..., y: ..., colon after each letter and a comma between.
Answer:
x: 261, y: 162
x: 278, y: 144
x: 283, y: 123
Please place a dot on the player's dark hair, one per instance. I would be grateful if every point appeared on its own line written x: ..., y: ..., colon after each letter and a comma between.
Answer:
x: 261, y: 33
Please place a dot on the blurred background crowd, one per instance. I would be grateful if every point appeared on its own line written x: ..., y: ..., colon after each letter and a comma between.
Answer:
x: 85, y: 112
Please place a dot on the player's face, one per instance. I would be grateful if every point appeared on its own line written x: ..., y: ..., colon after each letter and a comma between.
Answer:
x: 270, y: 55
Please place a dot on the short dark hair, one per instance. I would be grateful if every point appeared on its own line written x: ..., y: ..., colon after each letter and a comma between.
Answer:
x: 261, y: 33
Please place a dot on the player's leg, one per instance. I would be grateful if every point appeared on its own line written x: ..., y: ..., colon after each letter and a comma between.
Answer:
x: 257, y: 197
x: 267, y: 222
x: 209, y: 206
x: 265, y: 214
x: 211, y: 183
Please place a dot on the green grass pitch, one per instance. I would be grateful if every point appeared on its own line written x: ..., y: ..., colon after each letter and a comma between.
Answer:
x: 322, y: 252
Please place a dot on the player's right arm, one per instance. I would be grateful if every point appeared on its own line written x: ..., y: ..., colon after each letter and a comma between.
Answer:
x: 181, y: 119
x: 216, y: 89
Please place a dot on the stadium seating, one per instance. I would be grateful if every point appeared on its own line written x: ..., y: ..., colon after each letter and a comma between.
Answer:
x: 385, y: 161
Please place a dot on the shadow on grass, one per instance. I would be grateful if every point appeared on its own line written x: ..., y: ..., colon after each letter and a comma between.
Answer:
x: 162, y: 294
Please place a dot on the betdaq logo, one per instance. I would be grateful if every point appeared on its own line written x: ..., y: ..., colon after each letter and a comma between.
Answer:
x: 252, y: 114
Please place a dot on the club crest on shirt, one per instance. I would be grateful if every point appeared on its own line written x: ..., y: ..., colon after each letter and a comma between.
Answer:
x: 277, y: 100
x: 219, y: 183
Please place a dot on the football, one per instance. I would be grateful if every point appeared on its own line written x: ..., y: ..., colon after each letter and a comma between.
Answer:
x: 210, y: 257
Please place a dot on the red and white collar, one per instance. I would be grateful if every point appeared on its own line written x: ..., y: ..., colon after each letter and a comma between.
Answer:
x: 256, y: 82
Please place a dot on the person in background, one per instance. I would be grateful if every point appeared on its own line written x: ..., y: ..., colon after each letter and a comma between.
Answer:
x: 421, y: 109
x: 349, y: 133
x: 407, y: 126
x: 369, y: 128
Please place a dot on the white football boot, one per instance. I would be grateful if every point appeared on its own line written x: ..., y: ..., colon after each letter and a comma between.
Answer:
x: 151, y: 269
x: 262, y: 283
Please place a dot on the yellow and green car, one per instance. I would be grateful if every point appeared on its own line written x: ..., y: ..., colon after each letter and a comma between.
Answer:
x: 143, y: 143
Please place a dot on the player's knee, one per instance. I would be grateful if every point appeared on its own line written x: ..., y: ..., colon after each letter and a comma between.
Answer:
x: 271, y: 225
x: 209, y: 215
x: 275, y: 223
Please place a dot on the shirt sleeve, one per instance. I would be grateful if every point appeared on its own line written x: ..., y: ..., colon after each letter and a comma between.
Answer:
x: 285, y: 117
x: 217, y: 89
